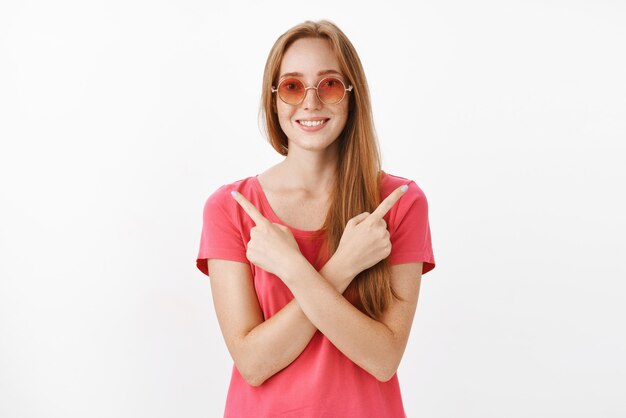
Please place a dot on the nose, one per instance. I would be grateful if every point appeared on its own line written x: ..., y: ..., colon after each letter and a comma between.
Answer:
x: 311, y: 101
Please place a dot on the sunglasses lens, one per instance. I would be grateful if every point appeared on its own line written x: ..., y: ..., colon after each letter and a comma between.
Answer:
x: 331, y: 90
x: 291, y: 90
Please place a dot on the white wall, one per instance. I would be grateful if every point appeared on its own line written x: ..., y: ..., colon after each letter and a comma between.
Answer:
x: 119, y: 118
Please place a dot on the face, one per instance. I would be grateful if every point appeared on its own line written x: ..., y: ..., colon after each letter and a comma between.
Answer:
x: 312, y: 60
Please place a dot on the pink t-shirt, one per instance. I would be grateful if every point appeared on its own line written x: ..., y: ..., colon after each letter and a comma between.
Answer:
x: 322, y: 381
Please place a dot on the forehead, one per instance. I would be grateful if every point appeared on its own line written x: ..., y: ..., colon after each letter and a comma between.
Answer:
x: 309, y: 56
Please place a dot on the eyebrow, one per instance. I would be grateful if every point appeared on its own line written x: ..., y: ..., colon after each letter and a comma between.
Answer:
x: 325, y: 72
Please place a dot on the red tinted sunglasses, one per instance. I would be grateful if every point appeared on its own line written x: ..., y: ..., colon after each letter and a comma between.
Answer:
x: 330, y: 90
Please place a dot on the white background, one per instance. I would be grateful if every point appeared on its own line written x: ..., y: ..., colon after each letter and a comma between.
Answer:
x: 119, y: 118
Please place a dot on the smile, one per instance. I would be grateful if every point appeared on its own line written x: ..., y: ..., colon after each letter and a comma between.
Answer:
x: 312, y: 122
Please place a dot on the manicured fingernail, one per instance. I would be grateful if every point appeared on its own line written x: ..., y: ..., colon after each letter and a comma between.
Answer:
x: 404, y: 188
x: 233, y: 193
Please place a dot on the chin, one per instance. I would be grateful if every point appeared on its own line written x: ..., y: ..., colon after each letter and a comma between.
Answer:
x: 312, y: 144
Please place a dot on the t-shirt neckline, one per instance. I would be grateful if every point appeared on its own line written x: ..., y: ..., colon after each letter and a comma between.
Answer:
x: 274, y: 218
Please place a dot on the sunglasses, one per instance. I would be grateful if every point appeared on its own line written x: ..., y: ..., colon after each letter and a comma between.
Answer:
x: 330, y: 90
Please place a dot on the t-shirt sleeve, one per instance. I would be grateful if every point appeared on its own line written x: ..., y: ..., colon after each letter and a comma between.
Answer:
x: 221, y: 231
x: 409, y: 230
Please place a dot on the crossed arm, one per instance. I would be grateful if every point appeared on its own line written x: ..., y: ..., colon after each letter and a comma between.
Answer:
x: 261, y: 348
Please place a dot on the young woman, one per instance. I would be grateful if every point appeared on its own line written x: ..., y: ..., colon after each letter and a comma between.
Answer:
x: 315, y: 264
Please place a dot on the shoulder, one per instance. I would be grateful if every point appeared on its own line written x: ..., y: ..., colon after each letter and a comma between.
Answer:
x: 390, y: 182
x: 221, y: 198
x: 412, y: 206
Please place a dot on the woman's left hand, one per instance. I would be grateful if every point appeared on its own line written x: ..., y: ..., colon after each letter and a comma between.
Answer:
x: 272, y: 246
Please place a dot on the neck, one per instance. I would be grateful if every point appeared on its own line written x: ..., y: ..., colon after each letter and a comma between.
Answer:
x: 311, y: 172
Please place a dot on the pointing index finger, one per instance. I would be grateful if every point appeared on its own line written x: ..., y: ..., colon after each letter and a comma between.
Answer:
x: 249, y: 208
x: 389, y: 201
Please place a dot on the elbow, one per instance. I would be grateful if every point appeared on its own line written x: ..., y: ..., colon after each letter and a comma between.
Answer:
x: 388, y: 365
x: 251, y: 372
x: 250, y: 376
x: 254, y: 381
x: 385, y: 376
x: 386, y: 372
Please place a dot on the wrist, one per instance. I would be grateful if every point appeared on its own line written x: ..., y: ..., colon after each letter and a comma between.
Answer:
x: 293, y: 267
x: 338, y: 272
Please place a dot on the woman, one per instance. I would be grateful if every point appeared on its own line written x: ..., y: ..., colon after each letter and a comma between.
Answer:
x: 282, y: 247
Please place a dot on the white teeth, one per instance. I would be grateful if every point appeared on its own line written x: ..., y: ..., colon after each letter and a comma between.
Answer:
x: 311, y: 122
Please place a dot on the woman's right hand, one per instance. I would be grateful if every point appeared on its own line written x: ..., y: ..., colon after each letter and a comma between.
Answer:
x: 365, y: 239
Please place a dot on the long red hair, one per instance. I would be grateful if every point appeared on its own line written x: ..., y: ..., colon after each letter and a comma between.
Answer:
x: 357, y: 182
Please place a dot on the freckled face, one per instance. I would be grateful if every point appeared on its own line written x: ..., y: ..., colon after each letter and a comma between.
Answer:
x: 309, y: 57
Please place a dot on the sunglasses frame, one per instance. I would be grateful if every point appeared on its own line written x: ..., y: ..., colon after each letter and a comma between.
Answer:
x: 316, y: 88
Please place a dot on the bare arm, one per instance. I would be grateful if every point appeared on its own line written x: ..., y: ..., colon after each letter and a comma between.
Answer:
x: 261, y: 348
x: 376, y: 346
